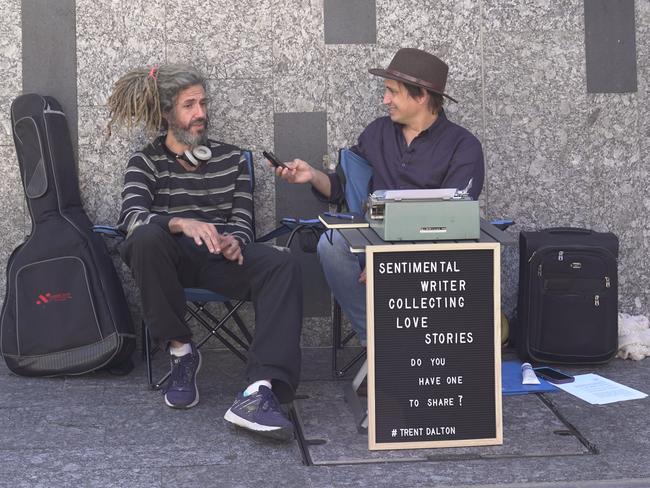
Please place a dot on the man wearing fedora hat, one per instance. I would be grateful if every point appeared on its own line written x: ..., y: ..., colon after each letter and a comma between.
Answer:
x: 414, y: 147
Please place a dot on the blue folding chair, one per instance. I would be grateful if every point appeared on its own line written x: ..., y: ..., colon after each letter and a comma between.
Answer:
x: 357, y: 172
x: 238, y: 339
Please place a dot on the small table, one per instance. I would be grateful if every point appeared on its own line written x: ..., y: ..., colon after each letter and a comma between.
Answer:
x: 359, y: 239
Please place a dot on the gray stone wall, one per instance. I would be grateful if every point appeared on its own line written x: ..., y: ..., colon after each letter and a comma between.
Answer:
x: 13, y: 211
x: 555, y: 155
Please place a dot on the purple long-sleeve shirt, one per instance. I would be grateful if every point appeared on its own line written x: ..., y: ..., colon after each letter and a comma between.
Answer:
x: 443, y: 156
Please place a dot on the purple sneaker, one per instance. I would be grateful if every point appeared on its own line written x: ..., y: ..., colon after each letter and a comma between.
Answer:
x: 181, y: 391
x: 261, y: 413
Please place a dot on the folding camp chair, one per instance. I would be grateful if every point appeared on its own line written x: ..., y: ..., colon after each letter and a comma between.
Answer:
x: 237, y: 339
x: 357, y: 172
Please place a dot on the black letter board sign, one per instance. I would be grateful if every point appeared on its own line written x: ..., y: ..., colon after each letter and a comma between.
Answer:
x: 434, y: 354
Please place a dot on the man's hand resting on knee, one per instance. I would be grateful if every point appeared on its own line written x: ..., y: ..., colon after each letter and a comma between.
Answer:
x: 201, y: 232
x: 206, y: 233
x: 231, y: 249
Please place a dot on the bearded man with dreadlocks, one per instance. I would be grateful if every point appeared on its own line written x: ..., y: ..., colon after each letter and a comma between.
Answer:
x: 187, y: 213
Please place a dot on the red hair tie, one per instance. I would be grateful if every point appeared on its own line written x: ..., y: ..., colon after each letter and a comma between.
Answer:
x: 153, y: 73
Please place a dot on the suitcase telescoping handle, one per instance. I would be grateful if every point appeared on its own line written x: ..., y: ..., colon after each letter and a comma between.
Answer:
x: 569, y: 230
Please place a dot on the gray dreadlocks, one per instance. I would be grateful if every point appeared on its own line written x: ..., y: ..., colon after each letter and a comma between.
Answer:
x: 146, y: 95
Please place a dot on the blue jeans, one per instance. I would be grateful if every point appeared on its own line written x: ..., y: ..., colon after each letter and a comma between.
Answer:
x: 342, y: 269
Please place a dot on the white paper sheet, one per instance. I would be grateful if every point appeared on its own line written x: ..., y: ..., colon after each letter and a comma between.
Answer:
x: 597, y: 390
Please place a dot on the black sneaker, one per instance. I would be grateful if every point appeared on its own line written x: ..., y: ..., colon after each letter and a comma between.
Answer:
x: 181, y: 391
x: 261, y: 413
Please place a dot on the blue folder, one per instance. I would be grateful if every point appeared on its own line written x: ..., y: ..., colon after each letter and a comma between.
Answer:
x: 511, y: 381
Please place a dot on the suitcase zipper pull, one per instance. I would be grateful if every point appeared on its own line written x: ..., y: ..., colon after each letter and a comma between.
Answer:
x: 597, y: 300
x: 539, y: 270
x: 560, y: 256
x: 607, y: 283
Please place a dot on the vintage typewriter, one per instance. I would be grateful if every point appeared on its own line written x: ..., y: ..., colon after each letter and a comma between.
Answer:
x: 423, y: 215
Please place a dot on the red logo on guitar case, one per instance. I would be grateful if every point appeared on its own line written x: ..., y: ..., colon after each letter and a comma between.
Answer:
x: 48, y: 297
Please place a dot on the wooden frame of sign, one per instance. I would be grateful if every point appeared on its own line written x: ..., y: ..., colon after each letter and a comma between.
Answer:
x: 434, y: 345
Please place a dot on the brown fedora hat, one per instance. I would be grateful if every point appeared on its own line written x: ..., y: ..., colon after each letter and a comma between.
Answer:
x: 419, y: 68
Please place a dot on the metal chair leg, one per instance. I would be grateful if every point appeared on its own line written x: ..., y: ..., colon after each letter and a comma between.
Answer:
x: 336, y: 336
x: 148, y: 355
x: 143, y: 337
x: 147, y: 352
x: 161, y: 381
x: 348, y: 366
x: 242, y: 327
x: 213, y: 331
x: 339, y: 343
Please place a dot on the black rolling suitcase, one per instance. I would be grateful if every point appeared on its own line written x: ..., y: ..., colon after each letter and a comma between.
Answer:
x: 64, y: 310
x: 568, y: 296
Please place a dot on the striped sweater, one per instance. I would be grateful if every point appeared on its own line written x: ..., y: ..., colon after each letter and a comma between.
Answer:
x: 157, y: 188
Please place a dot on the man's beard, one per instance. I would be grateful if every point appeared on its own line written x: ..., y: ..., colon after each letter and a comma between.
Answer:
x: 184, y: 134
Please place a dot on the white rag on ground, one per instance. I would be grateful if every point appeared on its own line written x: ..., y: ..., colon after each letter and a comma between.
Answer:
x: 633, y: 336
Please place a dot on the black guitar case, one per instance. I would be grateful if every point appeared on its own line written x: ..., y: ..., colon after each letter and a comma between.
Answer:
x: 64, y: 311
